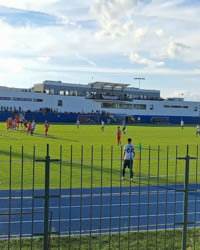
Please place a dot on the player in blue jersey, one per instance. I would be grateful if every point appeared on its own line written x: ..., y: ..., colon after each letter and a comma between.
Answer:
x: 128, y: 155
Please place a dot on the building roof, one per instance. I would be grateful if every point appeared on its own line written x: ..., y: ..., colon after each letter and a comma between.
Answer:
x: 108, y: 85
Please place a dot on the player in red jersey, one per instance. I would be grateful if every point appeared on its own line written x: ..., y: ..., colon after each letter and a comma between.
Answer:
x: 17, y: 121
x: 8, y: 123
x: 46, y: 127
x: 29, y: 126
x: 25, y: 124
x: 119, y: 136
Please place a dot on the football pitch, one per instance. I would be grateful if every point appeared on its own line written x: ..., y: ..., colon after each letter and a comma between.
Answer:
x: 89, y: 146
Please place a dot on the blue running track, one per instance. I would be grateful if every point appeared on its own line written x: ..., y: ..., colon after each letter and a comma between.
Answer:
x: 98, y: 210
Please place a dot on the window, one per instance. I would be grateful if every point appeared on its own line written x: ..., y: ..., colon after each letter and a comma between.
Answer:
x: 38, y: 100
x: 5, y: 98
x: 47, y: 91
x: 195, y: 109
x: 22, y: 99
x: 66, y: 92
x: 125, y: 106
x: 151, y: 107
x: 109, y: 105
x: 175, y: 106
x: 60, y: 103
x: 140, y: 106
x: 52, y: 91
x: 62, y: 92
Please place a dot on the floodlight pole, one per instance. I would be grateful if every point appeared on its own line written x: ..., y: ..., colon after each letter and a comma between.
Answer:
x: 139, y: 78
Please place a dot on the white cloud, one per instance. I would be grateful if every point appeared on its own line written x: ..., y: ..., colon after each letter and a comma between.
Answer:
x: 140, y: 33
x: 159, y: 32
x: 92, y: 33
x: 11, y: 66
x: 41, y: 5
x: 43, y: 59
x: 186, y: 94
x: 24, y: 40
x: 176, y: 48
x: 85, y: 59
x: 134, y: 57
x: 113, y: 17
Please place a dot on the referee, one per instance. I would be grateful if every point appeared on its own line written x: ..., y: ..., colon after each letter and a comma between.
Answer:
x: 128, y: 155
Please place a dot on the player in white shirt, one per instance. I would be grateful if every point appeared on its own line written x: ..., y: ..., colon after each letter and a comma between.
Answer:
x: 102, y: 125
x: 128, y: 155
x: 198, y: 130
x: 77, y: 123
x: 13, y: 124
x: 124, y: 128
x: 33, y: 127
x: 182, y: 124
x: 21, y: 120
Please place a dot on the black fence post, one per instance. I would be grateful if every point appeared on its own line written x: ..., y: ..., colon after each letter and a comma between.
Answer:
x: 187, y: 159
x: 46, y: 201
x: 186, y: 183
x: 46, y: 233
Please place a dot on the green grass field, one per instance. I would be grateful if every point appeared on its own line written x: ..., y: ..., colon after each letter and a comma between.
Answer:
x: 69, y: 137
x: 169, y: 240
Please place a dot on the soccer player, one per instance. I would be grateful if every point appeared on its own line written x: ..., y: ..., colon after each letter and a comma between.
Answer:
x: 182, y: 124
x: 102, y: 125
x: 32, y: 127
x: 46, y: 128
x: 17, y: 121
x: 198, y: 130
x: 128, y: 155
x: 119, y: 136
x: 124, y: 128
x: 13, y: 124
x: 28, y: 127
x: 21, y: 120
x: 77, y: 123
x: 9, y: 123
x: 25, y: 124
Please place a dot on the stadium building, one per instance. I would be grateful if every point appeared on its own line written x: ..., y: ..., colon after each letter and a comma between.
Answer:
x: 64, y: 102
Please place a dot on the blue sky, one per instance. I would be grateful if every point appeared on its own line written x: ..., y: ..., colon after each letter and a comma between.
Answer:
x: 79, y: 41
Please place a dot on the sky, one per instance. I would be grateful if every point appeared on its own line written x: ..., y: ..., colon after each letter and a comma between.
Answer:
x: 81, y: 41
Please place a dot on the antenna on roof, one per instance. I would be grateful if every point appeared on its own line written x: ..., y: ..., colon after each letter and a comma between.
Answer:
x: 139, y: 78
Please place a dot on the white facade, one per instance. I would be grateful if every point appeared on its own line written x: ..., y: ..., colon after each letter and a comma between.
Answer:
x: 27, y: 99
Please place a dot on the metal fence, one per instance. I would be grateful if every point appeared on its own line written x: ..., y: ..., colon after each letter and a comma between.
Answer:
x: 76, y: 199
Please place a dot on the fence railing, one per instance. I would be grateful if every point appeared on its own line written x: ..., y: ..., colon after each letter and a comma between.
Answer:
x: 76, y: 198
